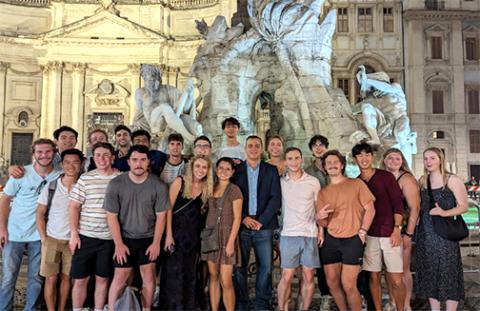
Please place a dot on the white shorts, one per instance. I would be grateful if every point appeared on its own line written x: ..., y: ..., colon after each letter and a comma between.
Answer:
x: 377, y: 249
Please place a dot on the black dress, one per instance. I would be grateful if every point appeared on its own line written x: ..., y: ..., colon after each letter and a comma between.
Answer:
x: 179, y: 270
x: 439, y: 262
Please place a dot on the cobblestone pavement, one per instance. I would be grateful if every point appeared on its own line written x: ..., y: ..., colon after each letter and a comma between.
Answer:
x: 471, y: 261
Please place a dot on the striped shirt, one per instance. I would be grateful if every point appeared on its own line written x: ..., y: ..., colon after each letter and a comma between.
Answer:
x: 89, y: 191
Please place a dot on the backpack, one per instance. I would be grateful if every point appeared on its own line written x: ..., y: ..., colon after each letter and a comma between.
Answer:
x: 52, y: 187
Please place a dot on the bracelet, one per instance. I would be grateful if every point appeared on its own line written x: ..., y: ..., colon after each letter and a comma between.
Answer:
x: 363, y: 229
x: 408, y: 234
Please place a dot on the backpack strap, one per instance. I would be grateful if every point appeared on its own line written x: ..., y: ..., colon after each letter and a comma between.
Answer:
x: 52, y: 187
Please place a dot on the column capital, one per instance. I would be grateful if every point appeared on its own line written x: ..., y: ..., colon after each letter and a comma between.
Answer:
x: 79, y: 67
x: 52, y: 66
x: 4, y: 66
x: 134, y: 68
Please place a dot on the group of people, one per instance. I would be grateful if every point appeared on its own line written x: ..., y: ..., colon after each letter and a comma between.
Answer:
x: 140, y: 216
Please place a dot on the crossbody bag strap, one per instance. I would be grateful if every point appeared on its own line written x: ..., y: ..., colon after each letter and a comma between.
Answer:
x: 430, y: 192
x: 221, y: 202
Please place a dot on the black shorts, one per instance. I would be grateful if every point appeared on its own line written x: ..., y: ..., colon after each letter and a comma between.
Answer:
x: 137, y: 249
x: 348, y: 251
x: 93, y: 257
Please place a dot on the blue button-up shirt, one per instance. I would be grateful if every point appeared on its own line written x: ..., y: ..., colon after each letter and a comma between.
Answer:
x: 252, y: 175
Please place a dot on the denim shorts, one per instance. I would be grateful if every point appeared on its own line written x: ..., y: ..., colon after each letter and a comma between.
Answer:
x: 298, y: 251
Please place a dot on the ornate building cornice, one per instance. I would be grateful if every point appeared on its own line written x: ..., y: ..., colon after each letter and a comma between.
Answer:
x: 441, y: 15
x: 29, y: 3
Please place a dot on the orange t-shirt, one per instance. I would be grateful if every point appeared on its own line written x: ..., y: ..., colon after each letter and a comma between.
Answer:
x: 347, y: 200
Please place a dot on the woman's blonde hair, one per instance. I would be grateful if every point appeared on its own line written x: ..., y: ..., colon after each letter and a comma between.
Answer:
x: 404, y: 166
x: 280, y: 138
x: 443, y: 170
x: 207, y: 181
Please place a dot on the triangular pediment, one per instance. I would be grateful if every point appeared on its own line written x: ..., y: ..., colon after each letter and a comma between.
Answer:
x: 471, y: 29
x: 103, y: 25
x: 437, y: 28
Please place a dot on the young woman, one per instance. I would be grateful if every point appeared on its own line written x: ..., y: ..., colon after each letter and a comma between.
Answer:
x: 395, y: 163
x: 439, y: 263
x: 228, y: 198
x: 275, y: 153
x: 188, y: 194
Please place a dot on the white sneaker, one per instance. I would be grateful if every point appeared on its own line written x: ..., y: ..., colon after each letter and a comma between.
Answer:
x: 389, y: 306
x: 364, y: 304
x: 156, y: 297
x: 325, y: 305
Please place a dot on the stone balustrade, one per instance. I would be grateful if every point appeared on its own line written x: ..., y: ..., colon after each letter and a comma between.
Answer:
x: 33, y: 3
x: 191, y: 4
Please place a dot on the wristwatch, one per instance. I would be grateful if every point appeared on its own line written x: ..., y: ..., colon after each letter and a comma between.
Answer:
x: 399, y: 227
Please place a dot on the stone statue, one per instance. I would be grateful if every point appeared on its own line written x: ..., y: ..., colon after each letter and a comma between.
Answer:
x: 163, y: 109
x: 383, y: 114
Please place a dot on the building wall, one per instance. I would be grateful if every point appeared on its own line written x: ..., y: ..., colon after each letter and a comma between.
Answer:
x: 450, y: 74
x: 55, y: 56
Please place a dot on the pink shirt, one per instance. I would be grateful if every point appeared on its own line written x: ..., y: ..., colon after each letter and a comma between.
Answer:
x: 298, y: 205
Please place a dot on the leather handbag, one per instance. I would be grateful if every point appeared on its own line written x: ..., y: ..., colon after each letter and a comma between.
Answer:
x: 210, y: 237
x: 451, y: 228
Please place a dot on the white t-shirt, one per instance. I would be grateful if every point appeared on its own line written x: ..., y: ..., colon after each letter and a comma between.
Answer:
x: 236, y: 152
x: 90, y: 191
x: 58, y: 225
x: 170, y: 172
x: 298, y: 205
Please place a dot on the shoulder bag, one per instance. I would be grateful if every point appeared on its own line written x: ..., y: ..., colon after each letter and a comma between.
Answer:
x: 451, y: 228
x: 210, y: 238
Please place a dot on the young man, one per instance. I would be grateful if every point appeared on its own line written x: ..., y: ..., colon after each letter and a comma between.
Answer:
x: 157, y: 158
x: 64, y: 137
x: 90, y: 238
x: 233, y: 149
x: 202, y: 146
x: 175, y: 164
x: 383, y: 239
x: 300, y: 236
x: 318, y: 144
x: 54, y: 230
x: 18, y: 231
x: 136, y: 204
x: 123, y: 139
x: 260, y: 185
x: 346, y: 210
x: 95, y: 136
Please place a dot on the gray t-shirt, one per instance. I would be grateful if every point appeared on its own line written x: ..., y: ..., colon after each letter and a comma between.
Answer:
x: 135, y: 204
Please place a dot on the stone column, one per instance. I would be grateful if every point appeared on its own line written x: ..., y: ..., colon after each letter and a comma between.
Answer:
x: 44, y: 104
x: 3, y: 96
x: 135, y: 84
x: 78, y: 98
x: 51, y: 98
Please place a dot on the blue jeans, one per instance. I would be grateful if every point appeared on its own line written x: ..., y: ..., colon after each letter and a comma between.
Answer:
x: 262, y: 243
x: 12, y: 259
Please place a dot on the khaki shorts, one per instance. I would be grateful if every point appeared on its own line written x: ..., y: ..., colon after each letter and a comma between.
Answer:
x: 380, y: 248
x: 56, y: 257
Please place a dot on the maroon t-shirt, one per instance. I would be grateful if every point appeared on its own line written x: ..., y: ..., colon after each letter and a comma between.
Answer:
x: 388, y: 201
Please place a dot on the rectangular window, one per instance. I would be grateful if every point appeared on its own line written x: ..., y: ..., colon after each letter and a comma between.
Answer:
x: 473, y: 101
x: 343, y: 84
x: 365, y: 20
x: 436, y: 45
x: 437, y: 102
x: 471, y: 49
x: 435, y: 5
x: 387, y: 19
x: 342, y: 20
x: 474, y: 141
x: 20, y: 153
